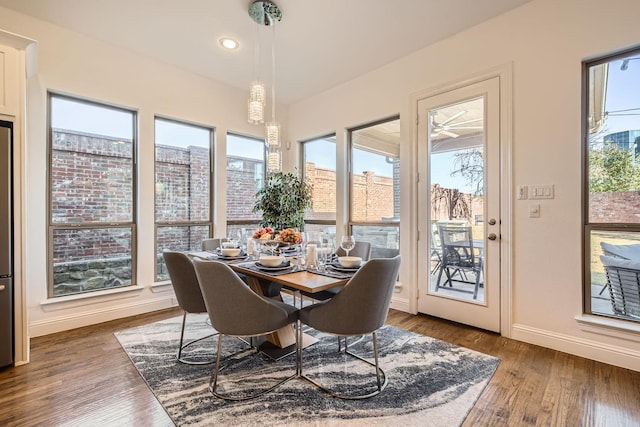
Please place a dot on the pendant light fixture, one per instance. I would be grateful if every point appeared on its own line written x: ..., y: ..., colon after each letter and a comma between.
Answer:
x: 268, y: 13
x: 257, y: 93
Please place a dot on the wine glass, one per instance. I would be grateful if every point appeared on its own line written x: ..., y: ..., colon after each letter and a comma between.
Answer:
x: 348, y: 243
x: 271, y: 245
x: 302, y: 248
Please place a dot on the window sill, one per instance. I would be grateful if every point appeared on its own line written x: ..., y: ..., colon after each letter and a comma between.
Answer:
x: 629, y: 331
x: 79, y: 300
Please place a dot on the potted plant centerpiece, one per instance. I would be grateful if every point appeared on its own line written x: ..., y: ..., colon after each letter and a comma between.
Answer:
x: 282, y: 201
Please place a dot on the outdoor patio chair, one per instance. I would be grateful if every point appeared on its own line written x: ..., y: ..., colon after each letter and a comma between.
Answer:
x: 631, y: 252
x: 458, y: 256
x: 623, y: 280
x: 187, y: 290
x: 359, y: 309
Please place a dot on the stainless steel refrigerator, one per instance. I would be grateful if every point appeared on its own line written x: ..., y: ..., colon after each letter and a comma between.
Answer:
x: 6, y: 245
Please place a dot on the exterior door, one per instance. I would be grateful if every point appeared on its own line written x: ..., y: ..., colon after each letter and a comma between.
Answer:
x: 459, y: 205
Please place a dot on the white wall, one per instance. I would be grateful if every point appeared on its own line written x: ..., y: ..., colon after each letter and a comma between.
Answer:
x: 70, y: 63
x: 545, y: 41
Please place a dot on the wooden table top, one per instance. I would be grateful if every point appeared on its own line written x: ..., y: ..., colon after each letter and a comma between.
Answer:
x: 300, y: 280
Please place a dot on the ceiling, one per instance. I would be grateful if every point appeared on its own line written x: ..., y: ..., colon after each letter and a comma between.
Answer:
x: 319, y: 43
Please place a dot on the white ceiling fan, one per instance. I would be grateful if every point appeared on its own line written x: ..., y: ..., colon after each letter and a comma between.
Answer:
x: 449, y: 125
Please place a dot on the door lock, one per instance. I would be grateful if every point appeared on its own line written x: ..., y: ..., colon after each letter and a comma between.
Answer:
x: 492, y: 236
x: 492, y: 221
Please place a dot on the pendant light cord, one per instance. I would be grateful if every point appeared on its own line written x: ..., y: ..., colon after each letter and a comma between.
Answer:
x: 273, y: 74
x: 256, y: 54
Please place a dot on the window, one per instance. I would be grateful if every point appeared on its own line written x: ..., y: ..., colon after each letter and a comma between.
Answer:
x: 375, y: 186
x: 92, y: 214
x: 319, y: 170
x: 182, y: 188
x: 611, y: 182
x: 245, y: 176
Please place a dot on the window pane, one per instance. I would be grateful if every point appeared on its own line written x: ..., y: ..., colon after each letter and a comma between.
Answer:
x: 320, y: 171
x: 183, y: 164
x: 385, y: 240
x: 91, y: 180
x: 245, y: 176
x: 91, y: 163
x: 177, y: 238
x: 91, y: 259
x: 612, y: 179
x: 614, y: 141
x: 375, y: 176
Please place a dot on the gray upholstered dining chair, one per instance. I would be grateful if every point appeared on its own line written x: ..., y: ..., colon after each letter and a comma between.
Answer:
x: 187, y: 290
x: 361, y: 249
x: 212, y: 243
x: 360, y: 308
x: 235, y: 310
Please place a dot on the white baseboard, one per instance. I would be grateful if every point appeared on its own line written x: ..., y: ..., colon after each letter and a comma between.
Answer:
x: 590, y: 349
x: 92, y: 317
x: 401, y: 304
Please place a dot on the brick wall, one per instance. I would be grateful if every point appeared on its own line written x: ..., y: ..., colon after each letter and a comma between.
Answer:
x: 323, y: 203
x: 242, y: 185
x: 615, y: 207
x: 92, y: 181
x: 91, y: 178
x: 182, y: 183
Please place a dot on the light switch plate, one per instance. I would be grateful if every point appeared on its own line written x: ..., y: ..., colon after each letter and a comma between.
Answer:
x: 523, y: 191
x: 534, y: 210
x: 541, y: 192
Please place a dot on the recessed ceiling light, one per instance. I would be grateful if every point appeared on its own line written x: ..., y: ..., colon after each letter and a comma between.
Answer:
x: 228, y: 43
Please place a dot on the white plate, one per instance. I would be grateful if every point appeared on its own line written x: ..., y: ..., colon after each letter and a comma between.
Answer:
x: 230, y: 258
x: 344, y: 269
x: 284, y: 266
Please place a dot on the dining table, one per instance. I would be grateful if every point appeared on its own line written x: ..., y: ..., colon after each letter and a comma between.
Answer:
x: 269, y: 283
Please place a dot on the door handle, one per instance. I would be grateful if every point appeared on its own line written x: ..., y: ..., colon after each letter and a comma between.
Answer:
x: 492, y: 236
x: 2, y: 288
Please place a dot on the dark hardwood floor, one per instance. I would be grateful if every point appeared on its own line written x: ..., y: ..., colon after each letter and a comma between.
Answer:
x: 83, y: 377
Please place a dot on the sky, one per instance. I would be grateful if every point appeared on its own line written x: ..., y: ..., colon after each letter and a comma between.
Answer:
x: 623, y: 93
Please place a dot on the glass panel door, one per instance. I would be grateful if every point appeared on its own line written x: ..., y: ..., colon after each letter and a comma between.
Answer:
x: 460, y: 205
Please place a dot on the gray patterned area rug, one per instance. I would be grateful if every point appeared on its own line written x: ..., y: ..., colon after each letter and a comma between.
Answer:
x: 431, y: 383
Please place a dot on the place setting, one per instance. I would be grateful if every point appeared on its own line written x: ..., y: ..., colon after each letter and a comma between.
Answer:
x: 227, y: 252
x: 273, y: 265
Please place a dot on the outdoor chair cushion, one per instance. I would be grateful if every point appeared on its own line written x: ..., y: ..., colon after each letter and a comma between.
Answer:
x: 631, y: 252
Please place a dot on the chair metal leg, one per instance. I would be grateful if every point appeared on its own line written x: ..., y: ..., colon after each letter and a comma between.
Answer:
x: 381, y: 377
x: 213, y: 382
x: 182, y: 346
x: 475, y: 290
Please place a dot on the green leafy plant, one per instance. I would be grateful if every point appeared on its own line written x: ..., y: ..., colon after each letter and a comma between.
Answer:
x: 613, y: 169
x: 283, y: 200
